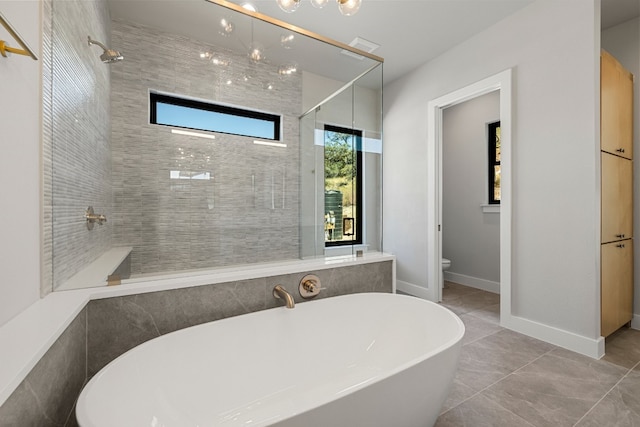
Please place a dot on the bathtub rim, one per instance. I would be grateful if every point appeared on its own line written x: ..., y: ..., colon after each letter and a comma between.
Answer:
x: 30, y: 334
x: 412, y: 362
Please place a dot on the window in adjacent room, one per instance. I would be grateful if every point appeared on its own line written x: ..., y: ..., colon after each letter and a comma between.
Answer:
x: 187, y: 113
x: 342, y: 186
x: 494, y: 163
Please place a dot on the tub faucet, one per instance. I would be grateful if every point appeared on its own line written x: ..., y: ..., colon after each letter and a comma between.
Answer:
x: 281, y: 293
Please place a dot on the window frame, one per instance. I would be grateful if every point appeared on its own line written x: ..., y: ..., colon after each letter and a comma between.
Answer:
x: 163, y: 98
x: 492, y: 162
x: 358, y: 135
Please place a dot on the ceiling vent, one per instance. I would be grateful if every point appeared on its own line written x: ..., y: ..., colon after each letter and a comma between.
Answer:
x: 360, y: 44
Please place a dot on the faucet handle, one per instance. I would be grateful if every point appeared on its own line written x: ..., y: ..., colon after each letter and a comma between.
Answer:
x: 309, y: 286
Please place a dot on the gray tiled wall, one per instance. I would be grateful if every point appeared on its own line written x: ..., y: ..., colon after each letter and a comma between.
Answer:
x: 76, y: 127
x: 107, y: 328
x: 47, y: 133
x: 128, y: 321
x: 47, y: 396
x: 247, y: 211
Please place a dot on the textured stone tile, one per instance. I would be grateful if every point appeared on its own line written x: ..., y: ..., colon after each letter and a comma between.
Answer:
x: 119, y: 324
x: 47, y: 395
x: 620, y: 407
x: 452, y: 290
x: 248, y: 211
x: 557, y: 389
x: 490, y: 313
x: 76, y: 115
x: 458, y: 394
x: 476, y: 328
x: 469, y: 302
x: 480, y: 412
x: 623, y: 347
x: 115, y: 325
x: 492, y: 358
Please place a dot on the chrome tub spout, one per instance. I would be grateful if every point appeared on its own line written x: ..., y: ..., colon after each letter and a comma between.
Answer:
x: 281, y: 293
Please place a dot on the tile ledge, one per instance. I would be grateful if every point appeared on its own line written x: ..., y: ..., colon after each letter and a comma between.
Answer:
x: 28, y: 336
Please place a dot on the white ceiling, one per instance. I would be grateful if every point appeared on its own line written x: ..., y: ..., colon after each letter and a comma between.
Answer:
x: 409, y: 32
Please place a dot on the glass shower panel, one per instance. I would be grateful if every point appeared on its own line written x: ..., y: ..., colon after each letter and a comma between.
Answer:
x: 311, y: 166
x: 341, y: 173
x: 333, y: 132
x: 131, y: 200
x: 367, y: 100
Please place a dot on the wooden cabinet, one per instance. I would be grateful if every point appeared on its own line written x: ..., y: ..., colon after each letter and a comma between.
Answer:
x: 616, y: 144
x: 617, y: 285
x: 616, y: 197
x: 616, y: 107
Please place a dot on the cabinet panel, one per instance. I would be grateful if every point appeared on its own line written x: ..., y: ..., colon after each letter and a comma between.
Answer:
x: 616, y: 286
x: 616, y: 107
x: 617, y: 198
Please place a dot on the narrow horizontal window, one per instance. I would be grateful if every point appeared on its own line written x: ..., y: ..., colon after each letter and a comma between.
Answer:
x: 184, y: 113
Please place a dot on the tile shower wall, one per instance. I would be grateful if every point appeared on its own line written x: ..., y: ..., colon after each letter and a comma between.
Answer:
x: 76, y: 127
x: 244, y: 207
x: 46, y: 284
x: 106, y: 328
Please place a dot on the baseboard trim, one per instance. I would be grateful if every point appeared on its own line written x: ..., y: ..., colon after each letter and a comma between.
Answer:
x: 593, y: 348
x: 472, y: 282
x: 411, y: 289
x: 590, y: 347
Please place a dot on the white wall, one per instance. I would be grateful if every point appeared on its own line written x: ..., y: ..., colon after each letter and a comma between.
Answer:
x: 623, y: 42
x: 470, y: 237
x: 20, y: 212
x: 553, y: 49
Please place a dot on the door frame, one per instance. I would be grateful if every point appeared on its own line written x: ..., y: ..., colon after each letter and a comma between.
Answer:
x: 503, y: 83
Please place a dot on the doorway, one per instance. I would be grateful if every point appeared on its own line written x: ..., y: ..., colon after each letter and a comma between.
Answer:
x: 471, y: 192
x: 500, y: 82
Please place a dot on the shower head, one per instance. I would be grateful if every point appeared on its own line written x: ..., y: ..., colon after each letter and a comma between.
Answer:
x: 109, y: 55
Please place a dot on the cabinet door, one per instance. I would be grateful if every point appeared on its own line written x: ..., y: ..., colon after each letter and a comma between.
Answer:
x: 616, y: 107
x: 617, y: 198
x: 616, y: 297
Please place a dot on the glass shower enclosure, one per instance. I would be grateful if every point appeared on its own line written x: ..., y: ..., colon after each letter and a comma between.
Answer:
x: 128, y: 199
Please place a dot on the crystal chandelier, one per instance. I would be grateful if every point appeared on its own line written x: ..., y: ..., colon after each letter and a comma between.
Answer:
x: 347, y: 7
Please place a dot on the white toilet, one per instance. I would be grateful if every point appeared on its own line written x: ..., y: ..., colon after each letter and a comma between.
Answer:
x: 445, y: 266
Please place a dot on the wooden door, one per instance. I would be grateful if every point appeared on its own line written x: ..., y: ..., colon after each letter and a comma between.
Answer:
x: 617, y: 286
x: 616, y: 107
x: 616, y: 198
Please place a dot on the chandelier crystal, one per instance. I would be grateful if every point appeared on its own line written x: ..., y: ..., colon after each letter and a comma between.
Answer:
x: 349, y: 7
x: 346, y: 7
x: 319, y: 3
x: 288, y: 6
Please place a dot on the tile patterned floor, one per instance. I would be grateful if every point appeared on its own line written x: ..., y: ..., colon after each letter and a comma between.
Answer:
x: 508, y: 379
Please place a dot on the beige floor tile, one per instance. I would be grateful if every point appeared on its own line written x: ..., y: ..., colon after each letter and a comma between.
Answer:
x: 490, y: 359
x: 623, y: 347
x: 470, y: 302
x: 620, y: 407
x: 557, y: 389
x: 455, y: 290
x: 458, y: 394
x: 476, y: 328
x: 490, y: 313
x: 480, y: 412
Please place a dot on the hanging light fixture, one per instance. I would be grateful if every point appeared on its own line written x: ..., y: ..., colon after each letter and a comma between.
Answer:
x: 347, y: 7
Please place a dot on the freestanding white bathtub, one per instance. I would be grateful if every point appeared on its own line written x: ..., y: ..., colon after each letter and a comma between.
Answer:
x: 356, y: 360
